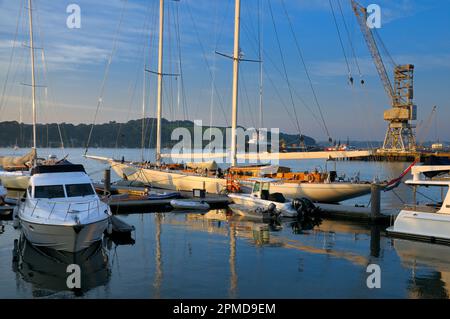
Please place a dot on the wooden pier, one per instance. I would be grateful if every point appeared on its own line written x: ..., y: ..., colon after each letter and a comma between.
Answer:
x: 134, y: 199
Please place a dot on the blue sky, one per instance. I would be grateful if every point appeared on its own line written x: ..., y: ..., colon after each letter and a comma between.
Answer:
x: 416, y: 32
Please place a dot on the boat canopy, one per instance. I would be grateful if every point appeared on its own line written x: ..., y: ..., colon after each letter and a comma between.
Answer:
x: 17, y: 162
x: 263, y: 179
x: 64, y: 168
x: 211, y: 166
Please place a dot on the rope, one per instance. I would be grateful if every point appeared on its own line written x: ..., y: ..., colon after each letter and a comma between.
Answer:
x: 105, y: 76
x: 285, y: 71
x: 350, y: 39
x: 2, y: 99
x: 300, y: 53
x: 340, y: 40
x: 206, y: 60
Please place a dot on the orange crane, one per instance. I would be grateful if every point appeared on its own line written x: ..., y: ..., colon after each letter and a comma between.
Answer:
x: 400, y: 135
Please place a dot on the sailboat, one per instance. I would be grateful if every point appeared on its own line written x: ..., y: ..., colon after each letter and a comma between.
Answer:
x: 316, y: 187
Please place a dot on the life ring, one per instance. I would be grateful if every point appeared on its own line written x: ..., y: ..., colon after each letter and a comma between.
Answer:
x: 310, y: 178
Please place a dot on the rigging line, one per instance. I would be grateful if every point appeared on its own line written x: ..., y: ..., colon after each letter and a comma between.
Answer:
x: 150, y: 125
x: 206, y: 61
x: 300, y: 53
x: 49, y: 100
x: 211, y: 102
x: 260, y: 58
x: 16, y: 33
x: 280, y: 98
x: 180, y: 97
x: 247, y: 98
x: 340, y: 38
x: 349, y: 39
x: 105, y: 76
x: 285, y: 70
x: 183, y: 90
x: 272, y: 63
x: 133, y: 86
x: 384, y: 48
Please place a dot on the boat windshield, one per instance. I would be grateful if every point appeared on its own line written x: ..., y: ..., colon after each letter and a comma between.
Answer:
x: 79, y: 190
x: 49, y: 191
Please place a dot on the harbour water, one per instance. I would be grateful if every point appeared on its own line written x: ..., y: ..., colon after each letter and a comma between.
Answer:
x: 216, y: 255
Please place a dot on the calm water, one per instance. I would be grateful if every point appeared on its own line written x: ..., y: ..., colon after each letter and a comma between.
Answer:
x: 214, y: 255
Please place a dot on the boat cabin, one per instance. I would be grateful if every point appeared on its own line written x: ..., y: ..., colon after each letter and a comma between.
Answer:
x: 60, y: 181
x: 432, y: 175
x: 261, y: 188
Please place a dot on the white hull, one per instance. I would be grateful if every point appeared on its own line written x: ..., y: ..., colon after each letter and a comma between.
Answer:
x: 70, y: 238
x: 285, y: 209
x: 321, y: 192
x: 421, y: 225
x: 177, y: 181
x: 316, y: 192
x: 189, y: 205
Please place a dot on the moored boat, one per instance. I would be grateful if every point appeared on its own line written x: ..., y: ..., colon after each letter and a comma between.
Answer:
x: 61, y: 210
x: 432, y: 222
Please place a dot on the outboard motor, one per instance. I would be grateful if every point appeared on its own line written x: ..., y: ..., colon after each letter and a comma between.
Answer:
x: 271, y: 209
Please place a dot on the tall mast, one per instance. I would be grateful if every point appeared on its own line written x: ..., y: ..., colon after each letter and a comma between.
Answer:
x: 160, y: 79
x: 237, y: 18
x: 260, y: 67
x: 33, y: 84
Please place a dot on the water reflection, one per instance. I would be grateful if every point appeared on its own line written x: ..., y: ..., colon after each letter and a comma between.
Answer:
x: 159, y: 217
x: 429, y: 265
x: 46, y: 269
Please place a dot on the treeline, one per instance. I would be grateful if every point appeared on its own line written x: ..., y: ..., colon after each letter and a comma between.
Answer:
x: 107, y: 135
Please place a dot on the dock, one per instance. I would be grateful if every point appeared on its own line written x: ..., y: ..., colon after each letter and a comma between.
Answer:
x: 134, y: 199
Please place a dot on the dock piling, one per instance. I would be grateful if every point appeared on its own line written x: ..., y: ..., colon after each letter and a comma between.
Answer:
x: 107, y: 181
x: 375, y: 200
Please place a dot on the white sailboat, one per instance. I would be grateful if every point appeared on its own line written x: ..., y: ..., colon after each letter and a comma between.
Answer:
x: 60, y: 209
x: 425, y: 222
x: 174, y: 177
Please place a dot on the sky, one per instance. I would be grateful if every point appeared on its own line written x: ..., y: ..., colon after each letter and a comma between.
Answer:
x: 73, y: 73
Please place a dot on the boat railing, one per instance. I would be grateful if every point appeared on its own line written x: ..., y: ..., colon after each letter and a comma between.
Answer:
x: 91, y: 207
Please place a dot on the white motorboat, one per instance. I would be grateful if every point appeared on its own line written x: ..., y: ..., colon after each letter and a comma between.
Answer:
x: 251, y: 213
x: 425, y: 222
x: 61, y: 209
x: 188, y: 204
x: 260, y: 197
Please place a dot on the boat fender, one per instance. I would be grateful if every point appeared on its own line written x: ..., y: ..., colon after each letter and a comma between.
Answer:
x: 109, y: 229
x: 16, y: 221
x: 297, y: 204
x: 271, y: 208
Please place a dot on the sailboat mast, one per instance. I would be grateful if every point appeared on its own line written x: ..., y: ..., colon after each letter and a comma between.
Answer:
x: 160, y: 79
x: 237, y: 18
x: 260, y: 39
x: 33, y: 86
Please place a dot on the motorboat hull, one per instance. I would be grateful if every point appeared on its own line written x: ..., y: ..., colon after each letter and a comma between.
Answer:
x: 70, y: 238
x: 285, y: 209
x: 423, y: 226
